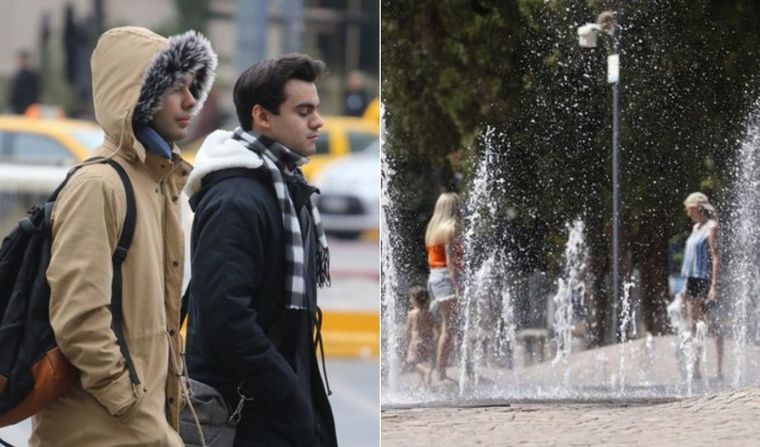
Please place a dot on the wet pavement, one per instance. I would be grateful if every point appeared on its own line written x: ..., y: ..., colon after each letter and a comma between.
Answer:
x: 640, y: 369
x: 597, y: 398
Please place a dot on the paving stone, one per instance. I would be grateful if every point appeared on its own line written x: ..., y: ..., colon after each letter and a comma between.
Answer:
x: 724, y: 419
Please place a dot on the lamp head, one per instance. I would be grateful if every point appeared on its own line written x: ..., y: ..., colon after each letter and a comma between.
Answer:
x: 587, y: 35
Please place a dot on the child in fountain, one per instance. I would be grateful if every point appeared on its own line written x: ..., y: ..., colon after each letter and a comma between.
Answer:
x: 420, y: 333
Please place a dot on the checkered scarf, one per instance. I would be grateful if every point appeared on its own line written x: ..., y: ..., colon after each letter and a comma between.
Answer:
x: 282, y: 161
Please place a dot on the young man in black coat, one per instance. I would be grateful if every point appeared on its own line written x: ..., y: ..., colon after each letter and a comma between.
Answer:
x: 258, y: 255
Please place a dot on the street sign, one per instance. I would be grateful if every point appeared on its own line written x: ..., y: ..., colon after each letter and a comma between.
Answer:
x: 613, y: 68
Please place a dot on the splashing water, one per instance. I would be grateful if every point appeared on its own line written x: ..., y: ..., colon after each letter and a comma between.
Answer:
x: 744, y: 246
x: 482, y: 295
x: 485, y: 360
x: 701, y: 348
x: 627, y: 323
x: 506, y: 335
x: 389, y: 286
x: 571, y: 290
x: 677, y: 315
x: 482, y: 286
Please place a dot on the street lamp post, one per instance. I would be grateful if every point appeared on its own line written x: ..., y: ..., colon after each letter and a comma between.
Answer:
x: 607, y: 23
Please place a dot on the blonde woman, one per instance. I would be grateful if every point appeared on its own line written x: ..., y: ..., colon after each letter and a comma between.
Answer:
x: 441, y: 241
x: 701, y: 268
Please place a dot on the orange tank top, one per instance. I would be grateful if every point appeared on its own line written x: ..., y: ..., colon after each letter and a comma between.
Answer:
x: 437, y: 256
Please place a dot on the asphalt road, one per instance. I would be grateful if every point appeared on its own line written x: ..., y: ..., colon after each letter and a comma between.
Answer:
x: 355, y: 382
x: 355, y: 401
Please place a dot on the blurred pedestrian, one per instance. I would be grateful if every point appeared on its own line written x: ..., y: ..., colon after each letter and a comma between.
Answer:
x: 420, y: 336
x: 701, y: 269
x: 25, y: 86
x: 356, y: 97
x: 146, y: 88
x: 259, y: 253
x: 444, y: 260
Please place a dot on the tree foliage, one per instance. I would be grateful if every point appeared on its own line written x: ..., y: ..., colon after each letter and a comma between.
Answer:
x: 688, y: 76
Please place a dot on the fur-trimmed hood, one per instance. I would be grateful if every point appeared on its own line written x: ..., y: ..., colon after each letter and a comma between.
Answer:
x: 132, y: 67
x: 220, y: 151
x: 189, y: 52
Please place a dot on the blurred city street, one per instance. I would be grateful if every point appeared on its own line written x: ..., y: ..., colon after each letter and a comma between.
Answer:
x: 354, y: 268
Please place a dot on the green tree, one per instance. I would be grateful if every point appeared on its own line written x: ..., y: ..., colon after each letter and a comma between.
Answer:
x: 451, y: 68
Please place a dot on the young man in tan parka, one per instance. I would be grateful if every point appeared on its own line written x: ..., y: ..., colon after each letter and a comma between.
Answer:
x: 145, y: 89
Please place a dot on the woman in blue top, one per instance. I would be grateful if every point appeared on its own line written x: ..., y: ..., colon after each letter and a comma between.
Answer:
x: 701, y: 268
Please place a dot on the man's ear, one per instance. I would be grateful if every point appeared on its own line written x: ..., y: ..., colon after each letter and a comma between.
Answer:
x: 260, y: 117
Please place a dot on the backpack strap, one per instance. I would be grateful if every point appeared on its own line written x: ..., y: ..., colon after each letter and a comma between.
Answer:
x: 54, y: 196
x: 120, y: 254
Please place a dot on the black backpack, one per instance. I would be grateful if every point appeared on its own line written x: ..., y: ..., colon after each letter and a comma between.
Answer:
x: 33, y: 371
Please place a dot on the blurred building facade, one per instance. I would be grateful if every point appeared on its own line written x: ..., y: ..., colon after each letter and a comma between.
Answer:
x: 343, y: 33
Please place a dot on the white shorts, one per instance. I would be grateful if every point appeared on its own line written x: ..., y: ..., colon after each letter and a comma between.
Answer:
x: 440, y: 285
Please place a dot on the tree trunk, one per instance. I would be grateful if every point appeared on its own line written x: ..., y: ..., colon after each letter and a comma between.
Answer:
x: 599, y: 316
x: 652, y: 257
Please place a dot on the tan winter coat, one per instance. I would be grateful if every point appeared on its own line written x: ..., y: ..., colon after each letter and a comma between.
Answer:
x: 103, y: 408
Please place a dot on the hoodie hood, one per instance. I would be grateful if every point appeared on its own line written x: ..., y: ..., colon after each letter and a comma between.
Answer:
x: 220, y: 151
x: 132, y: 67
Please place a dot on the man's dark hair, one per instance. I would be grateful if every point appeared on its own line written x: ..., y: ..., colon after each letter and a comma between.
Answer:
x: 264, y: 83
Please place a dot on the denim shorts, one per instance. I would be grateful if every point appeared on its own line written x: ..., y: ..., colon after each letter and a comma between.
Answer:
x: 697, y: 288
x: 440, y: 285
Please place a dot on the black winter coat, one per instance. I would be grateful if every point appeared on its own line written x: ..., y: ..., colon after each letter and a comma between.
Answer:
x: 239, y: 327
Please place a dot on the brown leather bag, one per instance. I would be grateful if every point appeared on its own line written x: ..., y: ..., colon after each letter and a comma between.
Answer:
x: 53, y: 375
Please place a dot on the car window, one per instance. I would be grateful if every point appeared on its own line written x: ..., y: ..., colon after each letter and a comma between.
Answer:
x: 360, y: 140
x: 372, y: 149
x: 27, y: 148
x: 323, y: 143
x: 89, y: 138
x: 5, y: 146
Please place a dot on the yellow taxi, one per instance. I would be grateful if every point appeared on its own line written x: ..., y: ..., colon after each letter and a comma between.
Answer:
x: 35, y: 155
x: 340, y: 136
x: 372, y: 112
x: 46, y: 142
